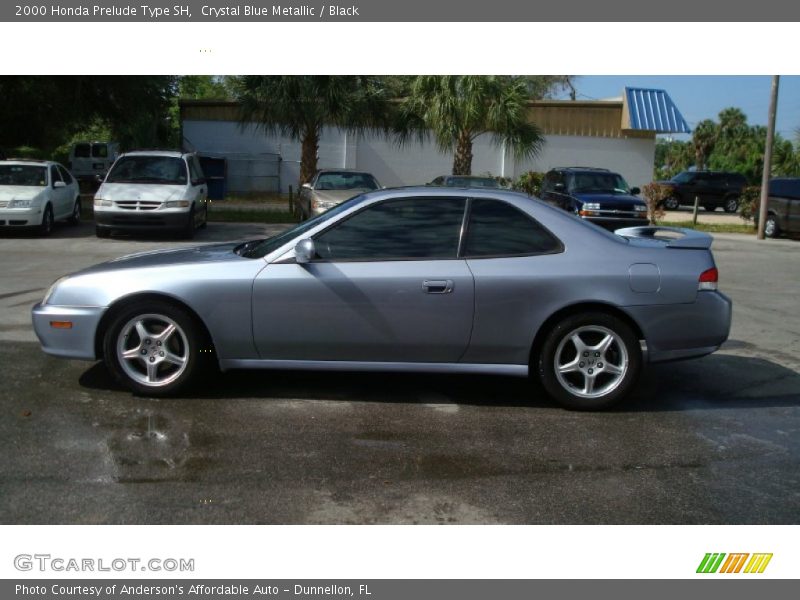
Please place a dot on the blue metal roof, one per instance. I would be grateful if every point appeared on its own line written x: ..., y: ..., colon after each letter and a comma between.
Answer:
x: 653, y: 110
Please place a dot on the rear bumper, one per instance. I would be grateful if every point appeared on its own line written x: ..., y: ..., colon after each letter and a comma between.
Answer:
x: 678, y: 331
x: 76, y: 342
x: 141, y: 220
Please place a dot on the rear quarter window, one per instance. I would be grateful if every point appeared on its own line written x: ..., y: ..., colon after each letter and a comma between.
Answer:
x: 496, y: 228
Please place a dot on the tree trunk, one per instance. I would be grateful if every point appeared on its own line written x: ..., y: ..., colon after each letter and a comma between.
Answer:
x: 308, y: 158
x: 462, y: 161
x: 699, y: 159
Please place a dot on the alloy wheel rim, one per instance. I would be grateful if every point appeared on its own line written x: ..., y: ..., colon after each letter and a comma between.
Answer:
x: 152, y: 350
x: 591, y: 361
x: 769, y: 227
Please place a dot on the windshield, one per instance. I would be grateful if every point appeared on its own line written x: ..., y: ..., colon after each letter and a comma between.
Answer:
x: 477, y: 182
x: 346, y: 181
x: 27, y: 175
x: 149, y: 169
x: 260, y: 248
x: 600, y: 182
x: 682, y: 177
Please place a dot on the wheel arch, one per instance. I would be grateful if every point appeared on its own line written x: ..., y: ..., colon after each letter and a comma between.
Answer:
x: 580, y: 307
x: 140, y: 297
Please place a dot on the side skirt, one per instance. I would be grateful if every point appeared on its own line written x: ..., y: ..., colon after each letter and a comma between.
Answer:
x: 381, y: 367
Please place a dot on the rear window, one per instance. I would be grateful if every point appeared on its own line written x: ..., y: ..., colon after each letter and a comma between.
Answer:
x: 149, y: 169
x: 785, y: 188
x: 346, y: 181
x: 100, y: 150
x: 82, y: 151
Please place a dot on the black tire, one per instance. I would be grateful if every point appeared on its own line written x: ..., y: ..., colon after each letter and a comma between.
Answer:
x: 204, y: 224
x: 730, y: 204
x: 47, y: 224
x: 771, y: 228
x: 188, y: 341
x: 190, y: 227
x: 671, y: 203
x: 102, y: 232
x: 75, y: 218
x: 624, y: 353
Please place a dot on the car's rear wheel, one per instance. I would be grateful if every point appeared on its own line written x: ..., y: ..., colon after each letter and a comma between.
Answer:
x: 191, y: 225
x: 75, y: 217
x: 46, y: 227
x: 731, y: 204
x: 154, y: 348
x: 671, y: 203
x: 589, y: 361
x: 771, y: 229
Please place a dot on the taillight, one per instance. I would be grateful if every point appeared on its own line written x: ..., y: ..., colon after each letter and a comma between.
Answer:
x: 708, y: 279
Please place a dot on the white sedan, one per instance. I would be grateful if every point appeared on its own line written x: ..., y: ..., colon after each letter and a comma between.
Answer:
x: 36, y: 193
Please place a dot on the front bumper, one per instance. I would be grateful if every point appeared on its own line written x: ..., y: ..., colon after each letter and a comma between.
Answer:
x: 78, y: 342
x: 20, y: 217
x: 612, y: 223
x: 677, y: 331
x: 134, y: 220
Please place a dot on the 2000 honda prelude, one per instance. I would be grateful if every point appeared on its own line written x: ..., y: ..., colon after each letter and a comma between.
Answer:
x: 409, y: 279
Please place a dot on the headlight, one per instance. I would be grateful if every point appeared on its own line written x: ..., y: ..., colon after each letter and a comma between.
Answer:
x: 21, y: 203
x: 177, y: 204
x: 640, y: 208
x: 52, y: 289
x: 102, y: 202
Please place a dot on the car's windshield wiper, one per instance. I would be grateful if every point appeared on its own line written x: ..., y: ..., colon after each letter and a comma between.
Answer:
x: 244, y: 248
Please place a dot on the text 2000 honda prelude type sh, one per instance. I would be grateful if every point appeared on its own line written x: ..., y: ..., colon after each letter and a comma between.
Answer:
x: 410, y: 279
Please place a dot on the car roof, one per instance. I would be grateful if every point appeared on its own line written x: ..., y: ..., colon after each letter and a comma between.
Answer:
x: 171, y: 153
x: 600, y: 169
x: 321, y: 171
x: 29, y: 162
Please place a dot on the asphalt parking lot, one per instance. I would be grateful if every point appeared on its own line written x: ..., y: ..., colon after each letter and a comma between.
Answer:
x: 714, y: 440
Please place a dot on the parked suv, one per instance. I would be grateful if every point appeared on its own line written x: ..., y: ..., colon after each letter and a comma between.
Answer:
x: 783, y: 207
x: 714, y: 188
x: 149, y: 190
x: 597, y: 195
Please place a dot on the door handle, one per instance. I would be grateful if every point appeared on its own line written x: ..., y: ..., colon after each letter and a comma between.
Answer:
x: 437, y: 286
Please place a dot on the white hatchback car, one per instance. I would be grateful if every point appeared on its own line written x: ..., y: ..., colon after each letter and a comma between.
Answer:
x: 37, y: 193
x: 151, y: 190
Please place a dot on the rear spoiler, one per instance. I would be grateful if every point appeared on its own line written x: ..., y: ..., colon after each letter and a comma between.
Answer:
x: 675, y: 237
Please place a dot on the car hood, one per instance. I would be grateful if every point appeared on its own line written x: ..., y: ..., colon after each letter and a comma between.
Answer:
x: 170, y: 257
x: 141, y: 191
x: 19, y: 192
x: 338, y: 195
x: 618, y: 201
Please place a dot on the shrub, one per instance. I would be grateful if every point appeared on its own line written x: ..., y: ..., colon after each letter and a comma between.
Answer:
x: 749, y: 202
x: 530, y: 183
x: 655, y: 194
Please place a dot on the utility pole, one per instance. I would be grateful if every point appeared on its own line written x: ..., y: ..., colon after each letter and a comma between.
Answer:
x: 773, y: 107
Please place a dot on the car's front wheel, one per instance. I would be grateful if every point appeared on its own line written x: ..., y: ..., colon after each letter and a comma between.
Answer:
x: 46, y: 227
x: 589, y: 361
x: 731, y: 204
x: 75, y: 217
x: 154, y: 348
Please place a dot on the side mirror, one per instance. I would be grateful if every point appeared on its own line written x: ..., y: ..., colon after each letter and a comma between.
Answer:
x: 306, y: 186
x: 304, y: 251
x: 59, y: 184
x: 635, y: 191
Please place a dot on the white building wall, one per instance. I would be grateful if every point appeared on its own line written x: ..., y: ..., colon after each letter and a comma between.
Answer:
x: 416, y: 163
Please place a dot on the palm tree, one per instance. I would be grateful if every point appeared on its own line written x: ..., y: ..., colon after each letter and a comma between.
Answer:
x: 704, y: 138
x: 456, y: 109
x: 299, y: 106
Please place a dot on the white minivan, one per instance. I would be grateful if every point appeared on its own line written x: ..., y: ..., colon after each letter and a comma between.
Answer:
x: 149, y: 190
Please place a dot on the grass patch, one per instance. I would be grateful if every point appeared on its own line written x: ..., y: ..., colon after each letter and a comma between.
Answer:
x: 712, y: 227
x: 220, y: 215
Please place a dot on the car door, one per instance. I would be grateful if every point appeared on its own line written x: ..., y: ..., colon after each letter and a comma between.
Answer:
x: 59, y: 194
x: 71, y: 191
x: 792, y: 193
x: 199, y: 186
x: 387, y: 286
